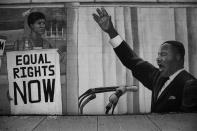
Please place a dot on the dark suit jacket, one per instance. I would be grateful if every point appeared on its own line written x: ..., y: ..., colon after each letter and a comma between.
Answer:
x: 179, y: 96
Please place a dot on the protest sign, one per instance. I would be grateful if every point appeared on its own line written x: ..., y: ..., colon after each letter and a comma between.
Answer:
x: 34, y: 82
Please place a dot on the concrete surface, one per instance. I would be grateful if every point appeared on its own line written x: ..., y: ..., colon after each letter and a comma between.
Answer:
x: 148, y: 122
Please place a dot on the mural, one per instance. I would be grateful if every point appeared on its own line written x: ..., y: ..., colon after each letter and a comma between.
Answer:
x: 90, y: 60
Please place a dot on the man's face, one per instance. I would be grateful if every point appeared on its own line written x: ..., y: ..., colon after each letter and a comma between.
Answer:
x: 167, y: 60
x: 39, y: 26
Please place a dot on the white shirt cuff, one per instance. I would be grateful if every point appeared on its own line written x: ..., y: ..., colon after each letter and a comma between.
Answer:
x: 116, y: 41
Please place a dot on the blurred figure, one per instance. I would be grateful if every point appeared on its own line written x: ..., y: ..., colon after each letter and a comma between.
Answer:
x: 36, y: 22
x: 2, y: 46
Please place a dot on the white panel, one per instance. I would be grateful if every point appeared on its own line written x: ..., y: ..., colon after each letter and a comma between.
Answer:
x: 181, y: 31
x: 90, y: 58
x: 192, y: 38
x: 109, y: 60
x: 155, y: 25
x: 120, y: 69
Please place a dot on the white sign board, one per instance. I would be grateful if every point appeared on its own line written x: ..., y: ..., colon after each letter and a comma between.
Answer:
x: 2, y: 44
x: 34, y: 82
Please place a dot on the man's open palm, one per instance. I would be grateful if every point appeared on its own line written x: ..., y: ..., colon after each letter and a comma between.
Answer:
x: 103, y: 19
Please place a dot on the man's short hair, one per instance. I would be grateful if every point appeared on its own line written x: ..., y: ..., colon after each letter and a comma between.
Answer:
x: 178, y: 46
x: 34, y: 16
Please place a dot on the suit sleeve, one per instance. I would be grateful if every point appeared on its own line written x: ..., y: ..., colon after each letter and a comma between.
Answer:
x: 189, y: 102
x: 142, y: 70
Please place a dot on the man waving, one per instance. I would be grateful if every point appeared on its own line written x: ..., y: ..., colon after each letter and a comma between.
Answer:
x: 173, y: 88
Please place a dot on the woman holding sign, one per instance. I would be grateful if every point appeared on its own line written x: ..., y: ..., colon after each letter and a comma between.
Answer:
x: 37, y: 24
x: 42, y: 66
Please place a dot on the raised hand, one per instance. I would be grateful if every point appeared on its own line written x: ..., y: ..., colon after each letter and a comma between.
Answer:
x: 104, y: 20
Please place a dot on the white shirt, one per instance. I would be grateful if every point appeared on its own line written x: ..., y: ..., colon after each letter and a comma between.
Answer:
x: 116, y: 41
x: 171, y: 78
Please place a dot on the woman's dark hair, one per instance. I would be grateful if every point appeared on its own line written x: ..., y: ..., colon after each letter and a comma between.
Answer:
x: 34, y: 16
